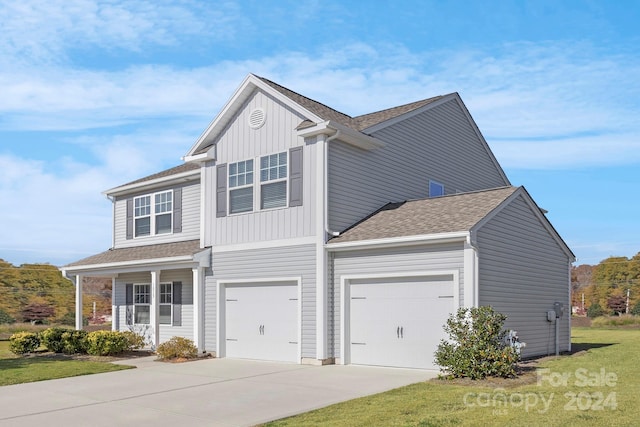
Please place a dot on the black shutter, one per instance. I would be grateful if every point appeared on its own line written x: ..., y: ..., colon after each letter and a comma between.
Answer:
x: 129, y: 303
x: 177, y: 303
x: 177, y: 210
x: 295, y: 176
x: 221, y: 191
x: 129, y: 219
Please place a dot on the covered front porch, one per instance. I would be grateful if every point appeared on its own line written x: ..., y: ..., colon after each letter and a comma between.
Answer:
x: 157, y: 290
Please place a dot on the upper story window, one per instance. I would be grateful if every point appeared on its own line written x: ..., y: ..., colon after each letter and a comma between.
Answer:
x: 273, y: 179
x: 241, y: 186
x: 436, y: 189
x: 280, y: 183
x: 153, y: 219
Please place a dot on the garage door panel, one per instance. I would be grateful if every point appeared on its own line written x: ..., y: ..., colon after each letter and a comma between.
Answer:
x: 398, y: 322
x: 262, y: 321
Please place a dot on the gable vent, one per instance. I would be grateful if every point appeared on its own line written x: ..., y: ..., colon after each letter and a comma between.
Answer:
x: 257, y: 118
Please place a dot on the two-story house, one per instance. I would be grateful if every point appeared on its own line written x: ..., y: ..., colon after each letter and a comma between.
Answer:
x: 293, y: 232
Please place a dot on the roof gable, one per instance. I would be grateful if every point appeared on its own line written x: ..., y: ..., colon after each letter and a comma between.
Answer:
x: 184, y: 170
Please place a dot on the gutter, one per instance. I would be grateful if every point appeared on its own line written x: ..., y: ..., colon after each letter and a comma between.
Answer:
x: 390, y: 242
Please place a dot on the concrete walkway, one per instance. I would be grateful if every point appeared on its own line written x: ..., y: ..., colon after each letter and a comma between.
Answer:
x: 212, y: 392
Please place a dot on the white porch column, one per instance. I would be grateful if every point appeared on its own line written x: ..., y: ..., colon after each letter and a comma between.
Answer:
x: 154, y: 320
x: 470, y: 275
x: 321, y: 253
x: 198, y: 312
x: 79, y: 302
x: 115, y: 318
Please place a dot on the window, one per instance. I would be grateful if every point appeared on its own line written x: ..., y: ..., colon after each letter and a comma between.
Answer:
x: 273, y: 178
x: 241, y: 187
x: 161, y: 221
x: 435, y: 189
x: 166, y: 301
x: 141, y: 304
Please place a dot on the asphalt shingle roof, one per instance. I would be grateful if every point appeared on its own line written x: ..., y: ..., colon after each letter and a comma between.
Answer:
x: 436, y: 215
x: 139, y: 253
x: 358, y: 123
x: 186, y: 167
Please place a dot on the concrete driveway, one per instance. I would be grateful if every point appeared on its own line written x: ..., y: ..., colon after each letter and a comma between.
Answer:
x: 212, y: 392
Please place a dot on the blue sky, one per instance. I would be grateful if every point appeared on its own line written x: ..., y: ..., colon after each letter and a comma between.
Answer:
x: 94, y: 94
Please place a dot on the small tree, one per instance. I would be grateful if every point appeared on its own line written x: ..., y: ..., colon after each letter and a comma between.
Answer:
x: 636, y: 309
x: 6, y: 317
x: 37, y: 312
x: 617, y: 304
x: 476, y: 347
x: 595, y: 311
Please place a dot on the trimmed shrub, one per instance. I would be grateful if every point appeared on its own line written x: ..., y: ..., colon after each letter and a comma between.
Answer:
x: 106, y: 343
x: 51, y: 338
x: 134, y: 341
x: 595, y: 310
x: 74, y: 342
x: 476, y: 348
x: 6, y: 318
x: 24, y: 342
x: 177, y: 347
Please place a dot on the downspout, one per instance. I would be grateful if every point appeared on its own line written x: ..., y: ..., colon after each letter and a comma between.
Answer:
x: 326, y: 186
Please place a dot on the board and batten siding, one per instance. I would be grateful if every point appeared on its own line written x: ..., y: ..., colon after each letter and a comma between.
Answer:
x: 166, y: 331
x: 522, y: 272
x: 435, y: 257
x: 259, y: 264
x: 240, y: 142
x: 438, y: 144
x: 190, y: 218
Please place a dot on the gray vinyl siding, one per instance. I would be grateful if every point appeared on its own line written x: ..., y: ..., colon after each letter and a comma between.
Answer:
x: 166, y: 331
x: 289, y: 261
x: 448, y: 256
x: 438, y: 144
x: 190, y: 218
x: 522, y: 272
x: 239, y: 142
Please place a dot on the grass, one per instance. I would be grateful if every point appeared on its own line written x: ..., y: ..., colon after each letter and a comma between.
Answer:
x: 23, y: 369
x: 587, y: 397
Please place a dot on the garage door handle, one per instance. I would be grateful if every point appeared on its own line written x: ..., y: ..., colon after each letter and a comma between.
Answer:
x: 358, y: 343
x: 401, y: 331
x: 398, y: 331
x: 231, y: 339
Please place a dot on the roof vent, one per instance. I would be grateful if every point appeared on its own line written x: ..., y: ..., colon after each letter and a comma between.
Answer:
x: 257, y: 118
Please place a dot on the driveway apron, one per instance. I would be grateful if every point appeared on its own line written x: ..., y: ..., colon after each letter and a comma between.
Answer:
x: 211, y: 392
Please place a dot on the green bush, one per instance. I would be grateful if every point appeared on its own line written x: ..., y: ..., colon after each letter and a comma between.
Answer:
x: 595, y: 310
x: 6, y: 318
x: 106, y: 343
x: 476, y: 347
x: 636, y: 309
x: 177, y: 347
x: 134, y: 341
x: 74, y: 342
x: 51, y: 338
x: 24, y: 342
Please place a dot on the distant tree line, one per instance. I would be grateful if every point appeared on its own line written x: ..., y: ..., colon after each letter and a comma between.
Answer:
x: 39, y: 293
x: 611, y: 287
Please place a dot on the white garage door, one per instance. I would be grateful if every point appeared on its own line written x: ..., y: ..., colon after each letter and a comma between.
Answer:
x: 398, y: 322
x: 262, y: 321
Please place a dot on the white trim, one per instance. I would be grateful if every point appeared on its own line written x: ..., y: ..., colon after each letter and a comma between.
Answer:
x: 470, y: 275
x: 321, y: 253
x: 242, y: 93
x: 198, y: 306
x: 399, y: 241
x: 187, y: 259
x: 78, y: 307
x: 347, y: 134
x: 345, y: 293
x: 298, y: 241
x: 152, y: 183
x: 203, y: 212
x: 115, y: 318
x: 221, y: 285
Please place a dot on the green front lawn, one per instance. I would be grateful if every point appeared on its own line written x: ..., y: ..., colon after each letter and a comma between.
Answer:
x: 596, y: 386
x: 16, y: 369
